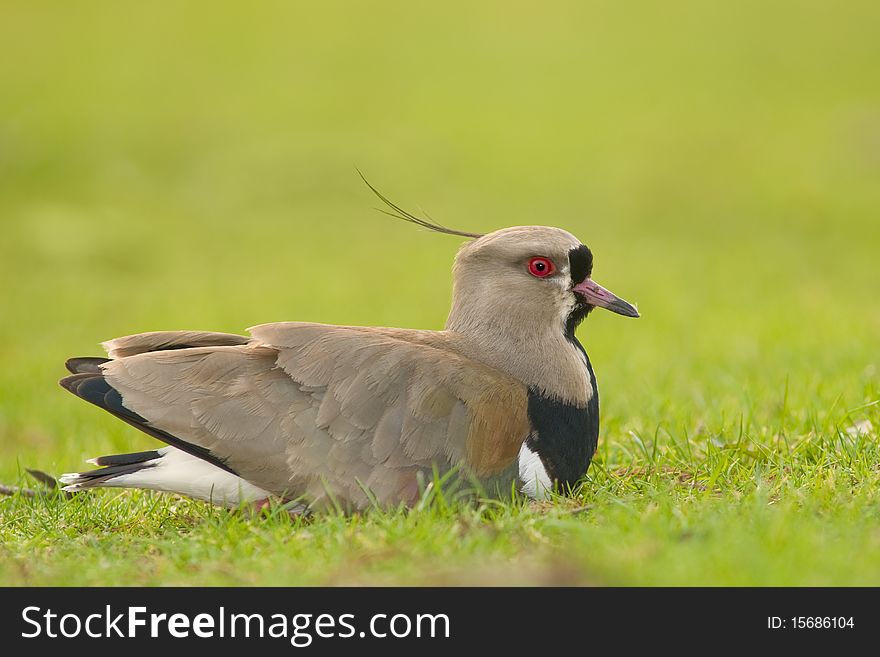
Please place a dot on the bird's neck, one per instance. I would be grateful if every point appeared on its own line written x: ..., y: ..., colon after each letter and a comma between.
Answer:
x: 547, y: 359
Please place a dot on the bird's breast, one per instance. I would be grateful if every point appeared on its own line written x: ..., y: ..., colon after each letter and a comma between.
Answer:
x: 564, y: 434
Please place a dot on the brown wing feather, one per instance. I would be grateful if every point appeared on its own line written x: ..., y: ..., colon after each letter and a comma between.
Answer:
x: 424, y: 368
x: 139, y: 343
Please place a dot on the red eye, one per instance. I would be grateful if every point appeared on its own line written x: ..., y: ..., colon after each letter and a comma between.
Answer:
x: 541, y: 267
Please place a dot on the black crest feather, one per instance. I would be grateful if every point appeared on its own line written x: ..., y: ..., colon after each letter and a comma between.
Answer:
x: 399, y: 213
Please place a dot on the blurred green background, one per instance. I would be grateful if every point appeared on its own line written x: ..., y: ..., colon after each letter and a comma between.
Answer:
x: 192, y: 165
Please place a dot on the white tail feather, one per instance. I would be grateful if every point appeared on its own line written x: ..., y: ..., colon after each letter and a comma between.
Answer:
x: 175, y: 471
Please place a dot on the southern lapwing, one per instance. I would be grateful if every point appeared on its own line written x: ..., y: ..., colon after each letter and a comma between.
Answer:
x: 503, y: 397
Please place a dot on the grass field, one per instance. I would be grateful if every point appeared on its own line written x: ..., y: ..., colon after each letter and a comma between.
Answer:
x: 194, y: 167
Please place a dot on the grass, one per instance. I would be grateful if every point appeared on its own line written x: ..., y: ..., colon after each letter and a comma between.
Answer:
x: 195, y: 168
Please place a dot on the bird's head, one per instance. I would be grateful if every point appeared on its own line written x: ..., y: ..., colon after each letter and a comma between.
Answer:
x: 524, y: 280
x: 531, y: 275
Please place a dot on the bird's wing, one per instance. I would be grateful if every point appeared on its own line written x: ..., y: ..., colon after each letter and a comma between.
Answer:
x: 316, y: 410
x: 162, y: 340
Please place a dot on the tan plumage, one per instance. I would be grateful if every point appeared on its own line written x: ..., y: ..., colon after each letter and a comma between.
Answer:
x: 351, y: 415
x: 308, y: 409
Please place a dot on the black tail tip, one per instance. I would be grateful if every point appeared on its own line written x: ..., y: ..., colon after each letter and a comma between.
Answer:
x: 70, y: 383
x: 91, y: 387
x: 85, y: 365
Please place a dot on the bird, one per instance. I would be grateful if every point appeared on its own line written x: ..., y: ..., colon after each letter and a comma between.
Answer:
x: 503, y: 399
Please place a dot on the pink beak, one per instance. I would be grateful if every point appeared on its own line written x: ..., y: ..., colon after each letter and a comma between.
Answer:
x: 596, y: 295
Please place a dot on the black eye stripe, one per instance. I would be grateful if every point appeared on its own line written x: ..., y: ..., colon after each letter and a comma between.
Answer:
x: 580, y: 262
